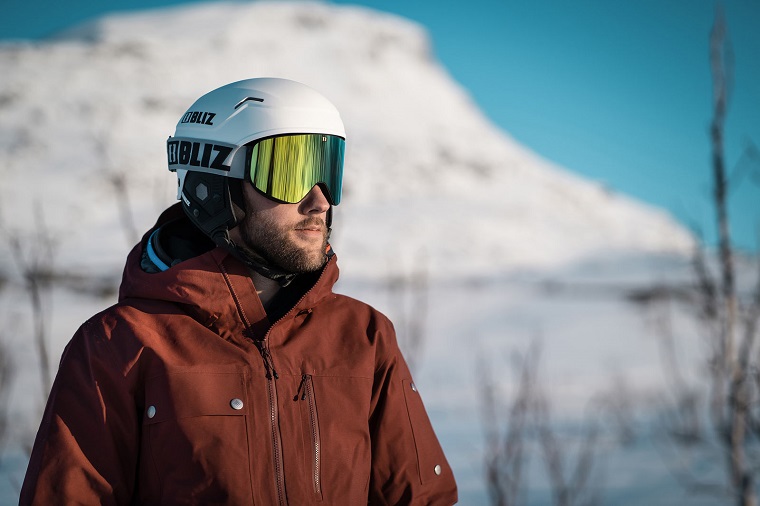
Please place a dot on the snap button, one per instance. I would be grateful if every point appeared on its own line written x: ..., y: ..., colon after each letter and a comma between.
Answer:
x: 414, y: 387
x: 437, y: 470
x: 236, y: 403
x: 151, y: 411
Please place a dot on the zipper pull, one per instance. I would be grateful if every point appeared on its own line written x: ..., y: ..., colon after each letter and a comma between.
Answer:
x: 271, y: 372
x: 302, y: 386
x: 266, y: 356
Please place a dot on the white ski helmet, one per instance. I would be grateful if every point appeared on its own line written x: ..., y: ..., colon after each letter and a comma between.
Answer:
x: 233, y: 131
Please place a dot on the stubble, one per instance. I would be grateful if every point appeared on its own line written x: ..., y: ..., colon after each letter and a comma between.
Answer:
x: 264, y: 237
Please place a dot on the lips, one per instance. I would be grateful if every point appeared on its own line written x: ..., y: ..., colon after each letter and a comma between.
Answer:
x: 315, y: 225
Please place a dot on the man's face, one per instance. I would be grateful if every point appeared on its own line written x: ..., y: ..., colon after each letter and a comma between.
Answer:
x: 292, y: 237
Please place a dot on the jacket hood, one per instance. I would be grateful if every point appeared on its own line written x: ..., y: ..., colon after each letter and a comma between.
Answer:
x: 209, y: 285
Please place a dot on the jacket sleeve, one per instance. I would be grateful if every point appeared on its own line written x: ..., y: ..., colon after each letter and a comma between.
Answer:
x: 86, y: 448
x: 408, y: 464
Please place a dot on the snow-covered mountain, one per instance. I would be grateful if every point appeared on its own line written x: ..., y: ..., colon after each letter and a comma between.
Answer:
x: 428, y: 179
x: 426, y: 170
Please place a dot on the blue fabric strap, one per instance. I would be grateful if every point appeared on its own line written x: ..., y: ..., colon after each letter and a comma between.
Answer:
x: 152, y: 254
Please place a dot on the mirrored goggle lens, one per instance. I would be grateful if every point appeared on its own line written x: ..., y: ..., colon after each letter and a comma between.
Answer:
x: 287, y: 167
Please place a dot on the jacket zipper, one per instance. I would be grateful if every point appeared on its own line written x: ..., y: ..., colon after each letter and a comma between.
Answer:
x: 316, y: 444
x: 266, y: 355
x: 276, y: 447
x: 272, y: 376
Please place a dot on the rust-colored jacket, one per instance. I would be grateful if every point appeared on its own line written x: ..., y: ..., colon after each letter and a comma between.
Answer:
x: 182, y: 393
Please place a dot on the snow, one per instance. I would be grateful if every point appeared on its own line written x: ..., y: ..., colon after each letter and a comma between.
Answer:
x: 515, y: 247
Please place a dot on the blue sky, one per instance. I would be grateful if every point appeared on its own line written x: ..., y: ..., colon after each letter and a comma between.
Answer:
x: 619, y: 92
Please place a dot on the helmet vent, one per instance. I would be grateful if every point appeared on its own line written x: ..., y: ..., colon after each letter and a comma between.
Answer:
x: 255, y: 99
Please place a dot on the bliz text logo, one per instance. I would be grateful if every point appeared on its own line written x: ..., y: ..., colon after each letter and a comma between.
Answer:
x: 200, y: 117
x: 198, y: 154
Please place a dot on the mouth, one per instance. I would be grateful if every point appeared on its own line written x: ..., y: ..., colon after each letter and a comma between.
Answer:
x: 310, y: 232
x: 311, y: 227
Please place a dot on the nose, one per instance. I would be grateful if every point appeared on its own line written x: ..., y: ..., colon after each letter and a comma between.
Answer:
x: 315, y: 202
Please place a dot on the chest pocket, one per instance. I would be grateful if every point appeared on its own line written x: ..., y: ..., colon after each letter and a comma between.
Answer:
x: 196, y: 435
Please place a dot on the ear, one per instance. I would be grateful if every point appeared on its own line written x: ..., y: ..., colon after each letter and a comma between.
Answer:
x: 213, y: 203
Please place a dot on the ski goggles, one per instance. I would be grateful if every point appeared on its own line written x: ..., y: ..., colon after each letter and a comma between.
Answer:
x: 286, y: 167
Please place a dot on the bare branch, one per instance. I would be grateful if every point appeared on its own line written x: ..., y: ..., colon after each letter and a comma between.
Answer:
x: 508, y: 449
x: 34, y: 257
x: 506, y: 454
x: 733, y: 362
x: 567, y: 488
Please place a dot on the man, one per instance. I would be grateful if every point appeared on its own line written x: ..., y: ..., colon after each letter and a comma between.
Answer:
x: 229, y: 372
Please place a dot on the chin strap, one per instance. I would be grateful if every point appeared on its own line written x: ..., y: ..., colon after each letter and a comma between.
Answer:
x: 215, y: 204
x: 253, y: 260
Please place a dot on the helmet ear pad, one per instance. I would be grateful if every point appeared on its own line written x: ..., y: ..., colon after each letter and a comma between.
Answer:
x: 213, y: 203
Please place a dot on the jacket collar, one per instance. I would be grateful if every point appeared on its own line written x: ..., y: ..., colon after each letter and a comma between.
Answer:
x: 213, y: 287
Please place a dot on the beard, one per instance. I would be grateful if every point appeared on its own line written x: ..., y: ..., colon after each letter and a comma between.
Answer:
x: 263, y: 238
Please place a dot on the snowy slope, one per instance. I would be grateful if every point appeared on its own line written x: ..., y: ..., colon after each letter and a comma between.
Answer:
x: 429, y: 182
x: 425, y: 168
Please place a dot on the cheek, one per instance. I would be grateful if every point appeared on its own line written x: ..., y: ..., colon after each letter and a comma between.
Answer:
x: 269, y: 211
x: 256, y: 202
